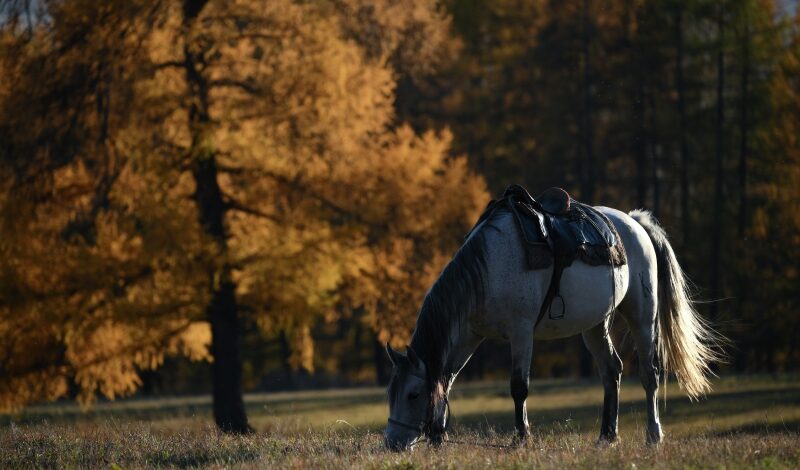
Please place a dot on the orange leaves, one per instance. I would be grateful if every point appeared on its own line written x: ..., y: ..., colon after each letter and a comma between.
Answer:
x: 101, y: 365
x: 332, y: 206
x: 94, y: 300
x: 107, y: 359
x: 411, y: 35
x: 302, y: 348
x: 193, y: 342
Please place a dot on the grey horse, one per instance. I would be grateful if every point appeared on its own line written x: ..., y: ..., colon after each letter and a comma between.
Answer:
x: 486, y: 291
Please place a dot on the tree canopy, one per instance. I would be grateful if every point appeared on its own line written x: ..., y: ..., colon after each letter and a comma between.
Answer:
x: 117, y: 111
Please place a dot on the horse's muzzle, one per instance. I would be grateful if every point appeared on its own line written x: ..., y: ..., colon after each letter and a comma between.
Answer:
x: 399, y: 444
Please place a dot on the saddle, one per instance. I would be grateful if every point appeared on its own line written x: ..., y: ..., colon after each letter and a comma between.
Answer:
x: 556, y: 231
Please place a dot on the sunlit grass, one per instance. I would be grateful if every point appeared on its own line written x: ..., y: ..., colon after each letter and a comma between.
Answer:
x: 747, y: 422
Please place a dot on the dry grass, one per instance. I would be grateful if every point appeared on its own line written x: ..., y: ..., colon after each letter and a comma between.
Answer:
x: 748, y: 422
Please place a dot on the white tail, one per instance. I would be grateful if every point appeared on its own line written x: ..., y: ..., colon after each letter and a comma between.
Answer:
x: 687, y: 344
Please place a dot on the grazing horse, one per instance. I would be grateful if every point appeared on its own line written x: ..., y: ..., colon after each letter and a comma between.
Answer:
x: 487, y: 291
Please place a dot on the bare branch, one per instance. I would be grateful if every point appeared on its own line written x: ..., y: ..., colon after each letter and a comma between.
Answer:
x: 260, y: 35
x: 169, y: 63
x: 305, y: 189
x: 231, y: 83
x: 232, y: 204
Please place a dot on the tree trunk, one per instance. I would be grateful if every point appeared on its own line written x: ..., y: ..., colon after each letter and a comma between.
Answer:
x: 229, y: 412
x: 744, y: 98
x: 639, y: 142
x: 743, y: 128
x: 655, y: 163
x: 379, y: 359
x: 589, y: 171
x: 222, y: 311
x: 717, y: 219
x: 681, y: 89
x: 286, y: 354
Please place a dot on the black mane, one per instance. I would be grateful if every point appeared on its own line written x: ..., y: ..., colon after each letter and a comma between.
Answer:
x: 456, y: 294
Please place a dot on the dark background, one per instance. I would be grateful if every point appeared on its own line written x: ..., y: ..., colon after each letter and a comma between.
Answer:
x: 688, y: 109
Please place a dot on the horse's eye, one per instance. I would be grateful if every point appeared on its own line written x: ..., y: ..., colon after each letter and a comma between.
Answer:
x: 413, y: 395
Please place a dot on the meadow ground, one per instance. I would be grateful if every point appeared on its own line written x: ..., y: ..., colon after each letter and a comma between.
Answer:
x: 747, y: 422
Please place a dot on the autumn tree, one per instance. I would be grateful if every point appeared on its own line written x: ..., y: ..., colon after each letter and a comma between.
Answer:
x: 774, y: 222
x: 257, y: 143
x: 98, y: 250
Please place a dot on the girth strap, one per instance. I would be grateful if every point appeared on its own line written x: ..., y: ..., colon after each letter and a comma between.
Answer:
x: 553, y: 293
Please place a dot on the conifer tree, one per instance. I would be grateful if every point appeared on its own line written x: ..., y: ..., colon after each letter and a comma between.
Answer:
x: 218, y: 159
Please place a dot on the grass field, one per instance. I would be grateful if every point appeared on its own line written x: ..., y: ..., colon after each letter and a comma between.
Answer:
x: 747, y: 422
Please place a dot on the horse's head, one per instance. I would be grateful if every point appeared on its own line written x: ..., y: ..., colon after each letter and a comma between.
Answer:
x: 417, y: 404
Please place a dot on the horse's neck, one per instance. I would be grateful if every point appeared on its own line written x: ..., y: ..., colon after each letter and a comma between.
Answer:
x: 443, y: 330
x: 459, y: 356
x: 448, y: 360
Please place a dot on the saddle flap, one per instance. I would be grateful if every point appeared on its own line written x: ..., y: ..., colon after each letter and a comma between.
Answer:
x: 531, y: 222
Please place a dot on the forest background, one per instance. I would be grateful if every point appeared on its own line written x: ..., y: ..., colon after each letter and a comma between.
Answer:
x: 207, y: 196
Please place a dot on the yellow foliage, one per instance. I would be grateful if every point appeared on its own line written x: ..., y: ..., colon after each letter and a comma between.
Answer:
x: 331, y: 205
x: 193, y: 342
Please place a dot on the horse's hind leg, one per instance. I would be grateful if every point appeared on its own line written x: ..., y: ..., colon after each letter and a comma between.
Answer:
x: 640, y: 315
x: 609, y: 364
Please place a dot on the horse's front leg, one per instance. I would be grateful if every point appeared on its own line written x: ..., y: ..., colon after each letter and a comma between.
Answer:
x: 521, y: 355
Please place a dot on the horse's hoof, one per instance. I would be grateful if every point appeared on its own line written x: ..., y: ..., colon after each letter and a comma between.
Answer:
x: 654, y: 441
x: 522, y: 439
x: 607, y: 441
x: 437, y: 440
x: 654, y: 438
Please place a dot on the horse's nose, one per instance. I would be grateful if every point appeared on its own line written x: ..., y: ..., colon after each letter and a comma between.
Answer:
x: 391, y: 444
x: 395, y: 444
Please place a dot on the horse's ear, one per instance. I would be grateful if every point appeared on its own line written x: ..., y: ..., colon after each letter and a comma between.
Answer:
x: 394, y: 356
x: 412, y: 356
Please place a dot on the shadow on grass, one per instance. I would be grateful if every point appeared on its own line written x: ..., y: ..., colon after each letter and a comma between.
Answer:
x: 585, y: 418
x: 146, y: 410
x: 579, y: 417
x: 764, y: 428
x: 194, y: 460
x: 286, y: 405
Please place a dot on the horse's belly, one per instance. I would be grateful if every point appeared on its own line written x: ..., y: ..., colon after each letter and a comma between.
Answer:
x: 588, y: 296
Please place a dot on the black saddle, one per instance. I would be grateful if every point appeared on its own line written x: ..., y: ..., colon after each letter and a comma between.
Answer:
x: 557, y: 230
